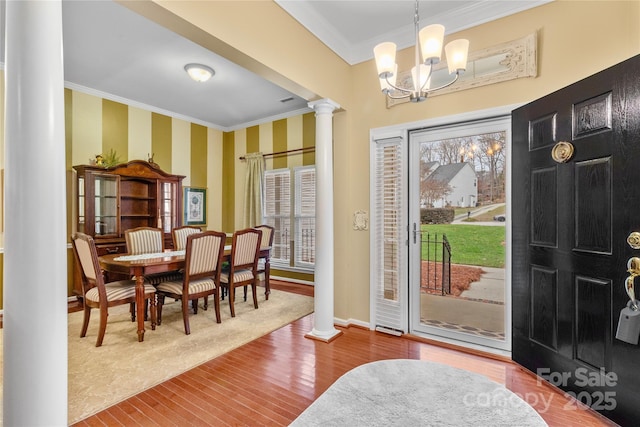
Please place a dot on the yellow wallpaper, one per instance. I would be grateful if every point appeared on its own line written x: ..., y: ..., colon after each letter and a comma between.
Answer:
x: 161, y: 133
x: 294, y: 141
x: 198, y: 161
x: 240, y: 149
x: 139, y: 133
x: 115, y: 128
x: 181, y: 150
x: 228, y: 182
x: 280, y: 143
x: 86, y: 131
x: 253, y: 139
x: 309, y: 138
x: 214, y: 159
x: 266, y: 143
x: 281, y: 135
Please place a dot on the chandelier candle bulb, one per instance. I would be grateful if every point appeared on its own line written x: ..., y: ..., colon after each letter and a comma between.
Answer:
x: 385, y: 54
x: 457, y: 52
x: 423, y: 77
x: 431, y: 38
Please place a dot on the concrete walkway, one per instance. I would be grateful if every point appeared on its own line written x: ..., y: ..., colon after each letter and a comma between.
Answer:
x: 478, y: 310
x: 489, y: 288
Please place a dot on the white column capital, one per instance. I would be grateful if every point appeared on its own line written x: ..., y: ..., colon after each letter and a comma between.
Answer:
x: 324, y: 106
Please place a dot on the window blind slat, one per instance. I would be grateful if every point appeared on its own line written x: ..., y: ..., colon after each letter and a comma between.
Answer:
x: 388, y: 233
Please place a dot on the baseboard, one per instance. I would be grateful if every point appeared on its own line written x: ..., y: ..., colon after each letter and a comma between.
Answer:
x: 351, y: 322
x: 288, y: 279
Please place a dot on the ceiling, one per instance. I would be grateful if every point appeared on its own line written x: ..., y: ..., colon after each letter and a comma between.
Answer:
x: 114, y: 53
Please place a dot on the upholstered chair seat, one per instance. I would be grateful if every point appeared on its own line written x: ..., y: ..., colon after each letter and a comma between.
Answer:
x: 121, y: 289
x: 196, y: 286
x: 238, y: 276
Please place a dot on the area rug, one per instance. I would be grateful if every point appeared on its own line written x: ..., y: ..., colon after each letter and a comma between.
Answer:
x: 100, y: 377
x: 416, y: 393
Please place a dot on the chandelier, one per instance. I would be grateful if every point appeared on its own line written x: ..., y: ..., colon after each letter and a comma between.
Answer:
x: 429, y: 46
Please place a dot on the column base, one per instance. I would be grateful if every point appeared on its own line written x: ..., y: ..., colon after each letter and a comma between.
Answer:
x: 324, y: 336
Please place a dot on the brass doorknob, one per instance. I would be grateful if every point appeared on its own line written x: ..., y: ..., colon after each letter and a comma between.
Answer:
x: 562, y: 152
x: 634, y: 240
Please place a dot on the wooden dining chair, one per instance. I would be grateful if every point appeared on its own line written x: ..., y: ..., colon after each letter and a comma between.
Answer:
x: 98, y: 294
x: 144, y: 240
x: 264, y: 267
x: 149, y: 240
x: 180, y: 234
x: 203, y: 261
x: 243, y: 265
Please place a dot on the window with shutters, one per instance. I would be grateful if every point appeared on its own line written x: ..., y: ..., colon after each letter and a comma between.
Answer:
x: 388, y: 234
x: 305, y: 216
x: 277, y: 213
x: 290, y: 198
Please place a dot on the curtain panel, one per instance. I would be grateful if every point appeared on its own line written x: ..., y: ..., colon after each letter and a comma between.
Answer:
x: 253, y: 197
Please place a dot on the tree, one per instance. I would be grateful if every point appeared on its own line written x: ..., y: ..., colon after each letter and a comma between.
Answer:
x: 432, y: 190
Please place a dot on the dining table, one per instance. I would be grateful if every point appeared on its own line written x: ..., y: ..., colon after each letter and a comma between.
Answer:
x: 141, y: 265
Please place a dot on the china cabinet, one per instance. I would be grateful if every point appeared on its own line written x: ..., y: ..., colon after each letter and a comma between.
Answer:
x: 134, y: 194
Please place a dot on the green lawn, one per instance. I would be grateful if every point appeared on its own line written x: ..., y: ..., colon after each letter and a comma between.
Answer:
x: 471, y: 244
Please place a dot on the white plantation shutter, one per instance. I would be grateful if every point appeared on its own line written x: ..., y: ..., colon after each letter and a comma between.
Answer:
x: 388, y: 235
x: 277, y: 212
x: 305, y: 216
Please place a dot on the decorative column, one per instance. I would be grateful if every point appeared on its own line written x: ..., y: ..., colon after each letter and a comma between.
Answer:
x: 35, y: 244
x: 323, y: 329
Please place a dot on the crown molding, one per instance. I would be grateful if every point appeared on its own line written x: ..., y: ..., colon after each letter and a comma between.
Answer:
x: 136, y: 104
x: 478, y: 13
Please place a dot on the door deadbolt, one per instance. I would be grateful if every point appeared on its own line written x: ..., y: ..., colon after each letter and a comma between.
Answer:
x: 634, y: 240
x: 562, y: 152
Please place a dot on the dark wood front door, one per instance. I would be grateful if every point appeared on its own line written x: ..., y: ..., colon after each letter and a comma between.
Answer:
x: 571, y: 219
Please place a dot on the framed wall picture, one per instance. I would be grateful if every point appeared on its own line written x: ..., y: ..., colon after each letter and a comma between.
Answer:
x: 195, y: 206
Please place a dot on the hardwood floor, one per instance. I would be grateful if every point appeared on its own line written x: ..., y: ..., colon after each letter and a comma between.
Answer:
x: 271, y: 380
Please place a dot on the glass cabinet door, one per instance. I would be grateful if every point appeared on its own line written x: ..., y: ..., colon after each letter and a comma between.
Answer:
x: 168, y: 206
x: 82, y: 222
x: 106, y: 204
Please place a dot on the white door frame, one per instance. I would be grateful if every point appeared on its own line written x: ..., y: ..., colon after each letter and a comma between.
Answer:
x: 403, y: 129
x: 433, y: 134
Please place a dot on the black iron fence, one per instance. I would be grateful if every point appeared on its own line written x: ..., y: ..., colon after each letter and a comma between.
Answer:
x: 435, y: 266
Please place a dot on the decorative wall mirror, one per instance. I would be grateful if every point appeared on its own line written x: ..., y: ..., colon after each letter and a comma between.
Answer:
x: 507, y: 61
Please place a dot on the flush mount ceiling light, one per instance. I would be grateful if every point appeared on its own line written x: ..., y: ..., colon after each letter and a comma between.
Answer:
x: 199, y: 72
x: 429, y: 44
